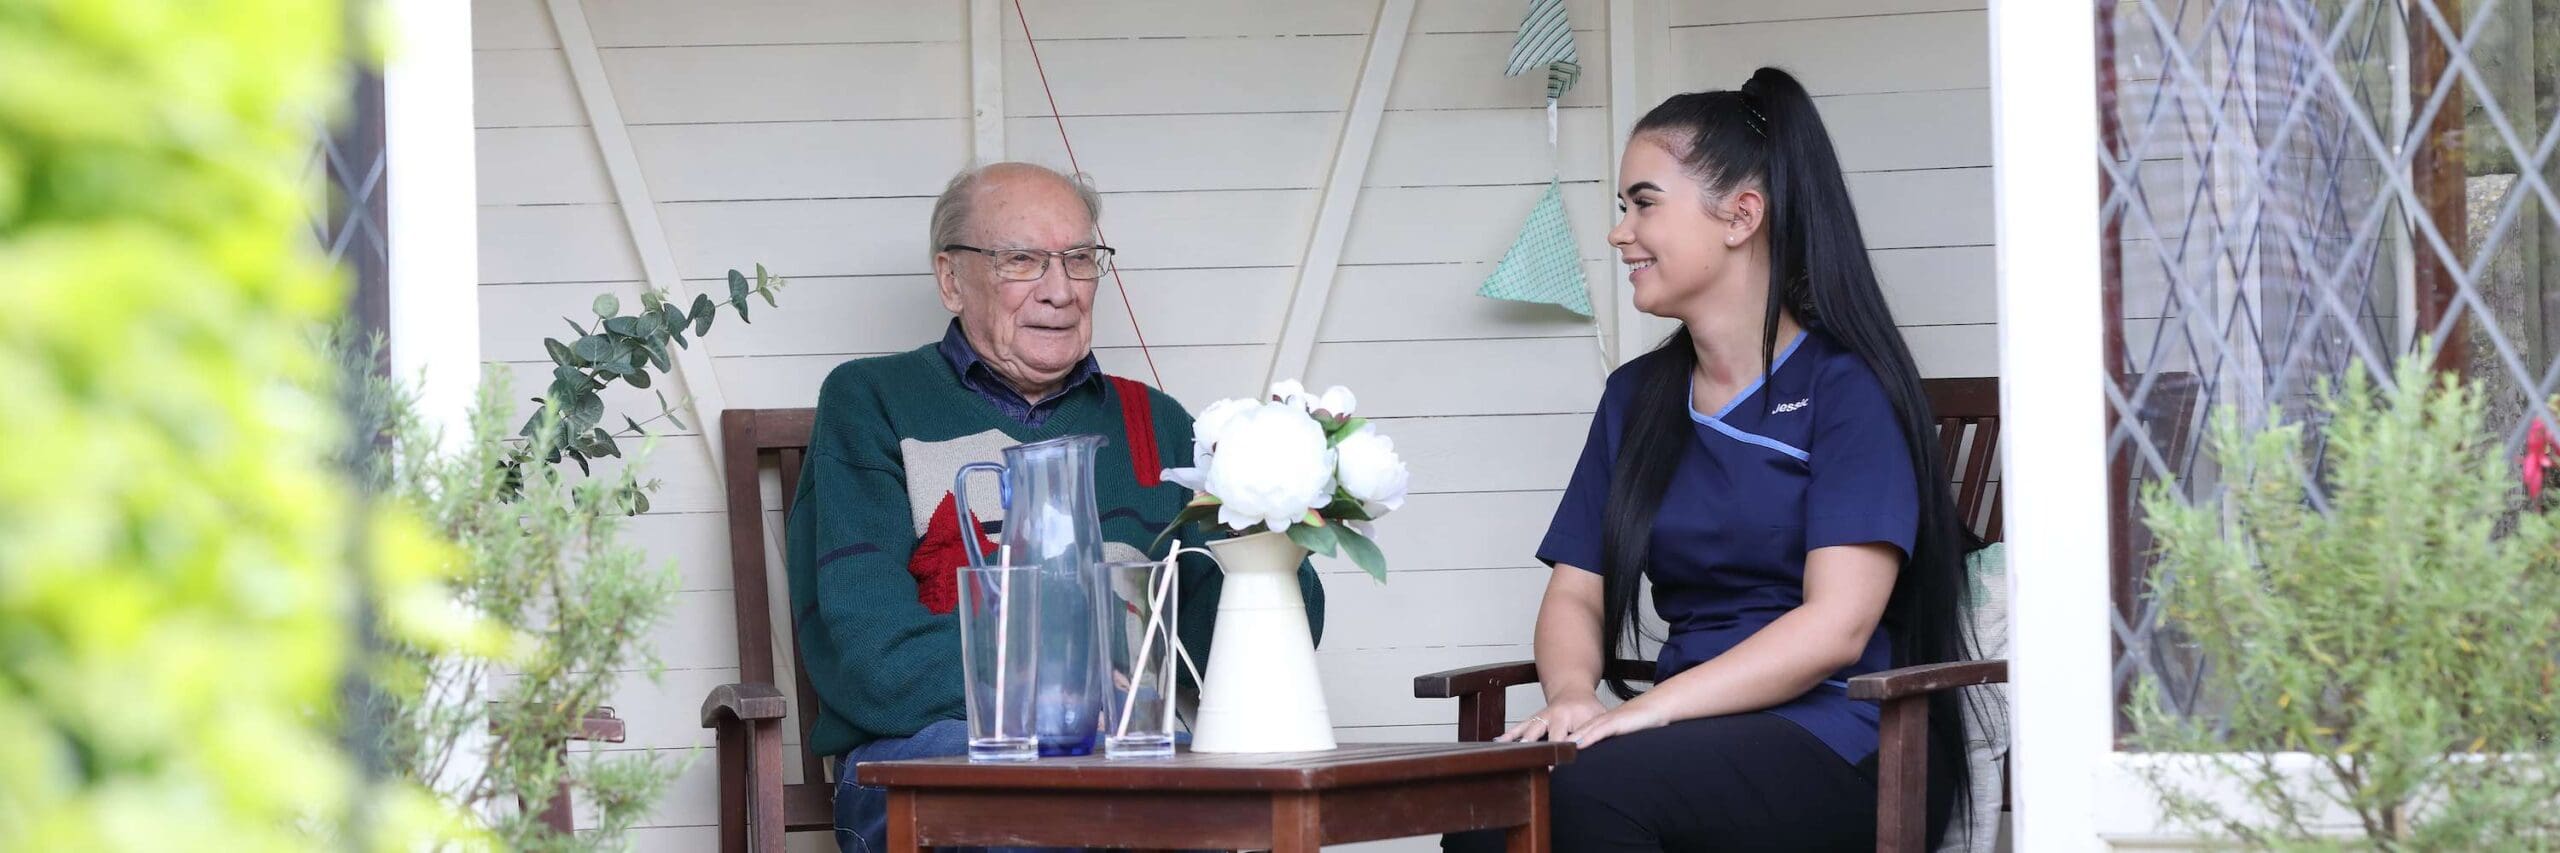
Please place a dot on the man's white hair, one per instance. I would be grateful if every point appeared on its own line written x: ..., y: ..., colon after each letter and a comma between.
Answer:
x: 951, y: 210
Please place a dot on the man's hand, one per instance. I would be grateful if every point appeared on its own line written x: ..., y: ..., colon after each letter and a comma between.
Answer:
x: 1558, y: 721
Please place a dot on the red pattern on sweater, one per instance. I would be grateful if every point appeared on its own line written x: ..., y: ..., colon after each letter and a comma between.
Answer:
x: 939, y: 555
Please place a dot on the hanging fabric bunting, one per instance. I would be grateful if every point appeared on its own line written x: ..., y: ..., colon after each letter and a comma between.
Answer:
x: 1546, y: 38
x: 1544, y: 265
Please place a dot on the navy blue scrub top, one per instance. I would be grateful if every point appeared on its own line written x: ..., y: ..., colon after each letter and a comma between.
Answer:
x: 1810, y: 457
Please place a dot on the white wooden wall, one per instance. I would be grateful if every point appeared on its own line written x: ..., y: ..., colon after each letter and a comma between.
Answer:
x: 811, y: 135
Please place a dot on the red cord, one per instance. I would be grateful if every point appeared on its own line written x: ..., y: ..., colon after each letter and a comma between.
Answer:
x: 1123, y: 286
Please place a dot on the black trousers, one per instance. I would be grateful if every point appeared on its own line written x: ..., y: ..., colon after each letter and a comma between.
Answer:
x: 1746, y: 782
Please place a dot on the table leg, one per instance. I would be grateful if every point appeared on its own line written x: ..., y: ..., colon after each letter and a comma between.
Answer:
x: 1531, y: 837
x: 1296, y: 825
x: 902, y: 821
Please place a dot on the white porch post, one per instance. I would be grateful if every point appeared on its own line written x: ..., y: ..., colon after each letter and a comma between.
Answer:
x: 433, y: 209
x: 2045, y: 158
x: 434, y: 235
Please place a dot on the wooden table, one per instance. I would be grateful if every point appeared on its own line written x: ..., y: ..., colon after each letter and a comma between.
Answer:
x: 1286, y: 802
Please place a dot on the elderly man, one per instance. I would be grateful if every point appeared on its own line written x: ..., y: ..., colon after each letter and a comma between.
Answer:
x: 875, y: 536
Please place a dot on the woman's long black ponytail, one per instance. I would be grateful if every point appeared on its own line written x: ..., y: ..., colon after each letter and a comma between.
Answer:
x: 1769, y: 134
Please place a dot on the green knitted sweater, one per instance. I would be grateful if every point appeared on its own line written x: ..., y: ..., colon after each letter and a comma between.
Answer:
x: 873, y: 620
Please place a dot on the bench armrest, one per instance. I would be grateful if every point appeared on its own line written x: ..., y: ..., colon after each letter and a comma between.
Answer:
x: 743, y: 702
x: 1907, y: 681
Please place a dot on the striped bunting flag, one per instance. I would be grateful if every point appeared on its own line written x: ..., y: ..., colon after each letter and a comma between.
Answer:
x: 1546, y: 38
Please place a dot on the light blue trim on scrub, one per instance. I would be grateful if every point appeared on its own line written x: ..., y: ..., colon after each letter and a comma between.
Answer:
x: 1716, y: 421
x: 1754, y: 387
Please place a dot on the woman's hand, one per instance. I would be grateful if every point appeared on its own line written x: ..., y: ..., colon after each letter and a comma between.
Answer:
x: 1634, y: 716
x: 1559, y: 720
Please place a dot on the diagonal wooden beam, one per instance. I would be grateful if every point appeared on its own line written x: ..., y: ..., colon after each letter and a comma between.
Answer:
x: 639, y: 210
x: 1297, y: 341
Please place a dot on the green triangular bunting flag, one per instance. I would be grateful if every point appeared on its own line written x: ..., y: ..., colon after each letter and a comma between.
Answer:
x: 1546, y: 39
x: 1543, y: 265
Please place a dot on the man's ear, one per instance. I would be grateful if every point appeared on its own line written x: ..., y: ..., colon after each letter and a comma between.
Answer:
x: 946, y: 278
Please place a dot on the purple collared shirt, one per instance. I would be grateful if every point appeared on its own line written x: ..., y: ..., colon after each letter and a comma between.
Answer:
x: 977, y: 376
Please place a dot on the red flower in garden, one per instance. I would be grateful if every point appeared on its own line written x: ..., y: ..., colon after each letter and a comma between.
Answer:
x: 2538, y: 457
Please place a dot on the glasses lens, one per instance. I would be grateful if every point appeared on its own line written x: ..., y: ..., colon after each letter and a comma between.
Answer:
x: 1088, y: 263
x: 1020, y: 265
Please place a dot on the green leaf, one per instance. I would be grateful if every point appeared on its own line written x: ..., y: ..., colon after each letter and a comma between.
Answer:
x: 584, y: 411
x: 1362, y: 551
x: 737, y: 286
x: 591, y: 349
x: 741, y: 304
x: 604, y: 444
x: 1346, y: 507
x: 703, y: 309
x: 638, y: 379
x: 582, y: 463
x: 573, y: 324
x: 1321, y: 540
x: 635, y: 425
x: 607, y: 306
x: 673, y: 318
x: 658, y: 356
x: 670, y: 411
x: 560, y: 353
x: 628, y: 327
x: 531, y: 424
x: 1345, y: 430
x: 639, y: 502
x: 1194, y: 513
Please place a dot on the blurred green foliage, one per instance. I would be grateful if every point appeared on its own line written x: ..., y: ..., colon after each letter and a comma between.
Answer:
x: 176, y: 585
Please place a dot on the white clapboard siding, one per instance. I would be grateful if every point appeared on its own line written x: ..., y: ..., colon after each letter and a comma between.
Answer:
x: 1590, y: 18
x: 1453, y: 71
x: 1420, y: 148
x: 1938, y: 286
x: 1310, y: 74
x: 661, y: 23
x: 1374, y: 687
x: 523, y: 88
x: 787, y: 160
x: 1456, y: 531
x: 1938, y: 207
x: 1464, y: 377
x: 794, y: 82
x: 569, y: 242
x: 1207, y: 20
x: 696, y: 543
x: 818, y: 237
x: 1490, y: 454
x: 515, y: 318
x: 1170, y: 153
x: 541, y: 165
x: 1407, y: 225
x: 1893, y: 53
x: 1955, y: 351
x: 1757, y: 11
x: 1431, y: 302
x: 511, y: 24
x: 1467, y: 607
x: 1909, y: 130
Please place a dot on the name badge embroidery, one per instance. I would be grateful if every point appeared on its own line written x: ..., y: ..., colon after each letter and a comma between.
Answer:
x: 1784, y: 408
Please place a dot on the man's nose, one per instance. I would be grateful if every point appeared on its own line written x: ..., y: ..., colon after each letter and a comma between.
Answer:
x: 1054, y: 288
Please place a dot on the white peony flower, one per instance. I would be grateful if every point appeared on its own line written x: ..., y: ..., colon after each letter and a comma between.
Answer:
x: 1372, y: 472
x: 1212, y: 423
x: 1338, y: 402
x: 1272, y: 466
x: 1290, y: 392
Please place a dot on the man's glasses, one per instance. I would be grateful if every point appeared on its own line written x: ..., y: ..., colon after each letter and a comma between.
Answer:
x: 1083, y: 263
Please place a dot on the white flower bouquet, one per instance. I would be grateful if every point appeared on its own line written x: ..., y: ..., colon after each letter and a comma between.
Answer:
x: 1299, y: 464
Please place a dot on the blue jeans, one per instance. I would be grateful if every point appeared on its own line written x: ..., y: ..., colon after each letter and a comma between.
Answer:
x: 862, y: 811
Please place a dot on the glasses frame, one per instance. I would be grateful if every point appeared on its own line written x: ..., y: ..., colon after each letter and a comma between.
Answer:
x: 1046, y: 259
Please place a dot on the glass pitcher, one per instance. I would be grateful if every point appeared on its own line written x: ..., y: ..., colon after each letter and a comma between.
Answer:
x: 1051, y: 525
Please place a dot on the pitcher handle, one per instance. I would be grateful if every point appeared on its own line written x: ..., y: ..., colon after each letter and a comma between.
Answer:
x: 968, y: 521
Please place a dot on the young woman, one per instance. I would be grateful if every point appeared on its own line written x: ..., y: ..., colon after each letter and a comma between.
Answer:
x: 1770, y: 469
